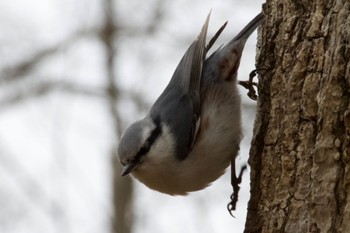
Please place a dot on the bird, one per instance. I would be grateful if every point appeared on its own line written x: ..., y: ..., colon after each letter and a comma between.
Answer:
x: 192, y: 132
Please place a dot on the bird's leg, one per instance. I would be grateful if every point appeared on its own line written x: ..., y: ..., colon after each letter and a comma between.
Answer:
x: 249, y: 84
x: 235, y: 181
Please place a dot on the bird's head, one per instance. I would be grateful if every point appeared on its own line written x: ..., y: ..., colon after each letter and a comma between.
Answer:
x: 140, y: 142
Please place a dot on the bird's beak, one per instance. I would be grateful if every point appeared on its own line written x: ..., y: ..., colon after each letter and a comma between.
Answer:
x: 128, y: 168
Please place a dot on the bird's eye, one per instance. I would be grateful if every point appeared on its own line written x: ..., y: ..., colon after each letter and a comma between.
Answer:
x: 146, y: 145
x: 144, y: 148
x: 131, y: 161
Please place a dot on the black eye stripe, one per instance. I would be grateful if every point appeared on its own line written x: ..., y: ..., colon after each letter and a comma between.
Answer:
x: 149, y: 142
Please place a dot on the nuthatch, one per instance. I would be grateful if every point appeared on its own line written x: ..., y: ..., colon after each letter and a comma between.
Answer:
x: 193, y: 130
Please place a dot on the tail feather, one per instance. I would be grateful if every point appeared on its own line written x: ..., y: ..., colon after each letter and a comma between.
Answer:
x: 249, y: 29
x: 230, y: 54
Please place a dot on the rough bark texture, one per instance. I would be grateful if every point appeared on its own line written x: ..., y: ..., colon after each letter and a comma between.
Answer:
x: 300, y: 154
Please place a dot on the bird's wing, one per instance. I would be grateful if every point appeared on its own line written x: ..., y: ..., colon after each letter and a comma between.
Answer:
x: 189, y: 71
x: 215, y: 37
x: 187, y: 82
x: 180, y: 103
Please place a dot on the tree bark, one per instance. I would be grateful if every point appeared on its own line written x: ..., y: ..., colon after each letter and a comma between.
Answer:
x: 300, y: 153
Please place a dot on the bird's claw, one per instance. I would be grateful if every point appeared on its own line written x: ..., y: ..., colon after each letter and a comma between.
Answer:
x: 231, y: 206
x: 235, y: 181
x: 249, y: 84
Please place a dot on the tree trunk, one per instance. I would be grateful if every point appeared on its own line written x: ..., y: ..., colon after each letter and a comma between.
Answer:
x: 122, y: 187
x: 300, y: 154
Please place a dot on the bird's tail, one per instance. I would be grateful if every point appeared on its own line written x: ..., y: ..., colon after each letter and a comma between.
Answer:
x: 250, y: 28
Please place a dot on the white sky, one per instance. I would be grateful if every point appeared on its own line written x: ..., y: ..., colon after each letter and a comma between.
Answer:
x: 55, y: 172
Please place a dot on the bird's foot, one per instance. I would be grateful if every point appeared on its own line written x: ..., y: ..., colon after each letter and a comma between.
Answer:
x: 235, y: 182
x: 249, y: 84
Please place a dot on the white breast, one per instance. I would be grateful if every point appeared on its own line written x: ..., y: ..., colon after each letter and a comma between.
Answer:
x: 217, y: 143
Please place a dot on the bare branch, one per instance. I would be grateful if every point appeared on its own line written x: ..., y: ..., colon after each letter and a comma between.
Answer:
x: 41, y: 89
x: 158, y: 15
x: 17, y: 71
x: 149, y: 29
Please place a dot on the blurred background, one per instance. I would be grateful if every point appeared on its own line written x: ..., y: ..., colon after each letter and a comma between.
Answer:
x: 73, y: 75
